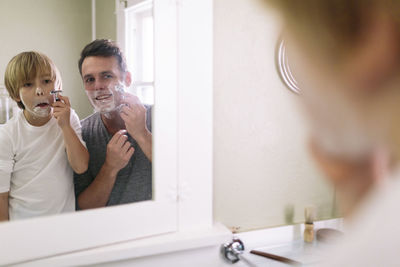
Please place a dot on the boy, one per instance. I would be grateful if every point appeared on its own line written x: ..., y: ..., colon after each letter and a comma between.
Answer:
x: 40, y: 144
x: 346, y: 58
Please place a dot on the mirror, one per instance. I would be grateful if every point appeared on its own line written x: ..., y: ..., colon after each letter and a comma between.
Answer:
x: 278, y: 174
x: 60, y: 29
x: 193, y: 115
x: 283, y: 67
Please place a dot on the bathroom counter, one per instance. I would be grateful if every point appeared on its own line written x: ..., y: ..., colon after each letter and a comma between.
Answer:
x: 285, y: 241
x: 198, y: 248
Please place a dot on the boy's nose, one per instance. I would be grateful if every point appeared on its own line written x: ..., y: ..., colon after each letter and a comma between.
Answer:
x: 39, y: 91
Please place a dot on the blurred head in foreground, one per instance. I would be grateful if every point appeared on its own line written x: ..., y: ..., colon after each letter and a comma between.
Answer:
x: 346, y: 57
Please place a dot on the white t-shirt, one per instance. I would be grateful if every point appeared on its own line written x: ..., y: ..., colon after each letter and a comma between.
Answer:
x: 34, y: 167
x: 373, y: 237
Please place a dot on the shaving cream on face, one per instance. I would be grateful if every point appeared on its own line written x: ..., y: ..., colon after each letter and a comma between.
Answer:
x: 340, y: 126
x: 108, y: 99
x: 36, y: 109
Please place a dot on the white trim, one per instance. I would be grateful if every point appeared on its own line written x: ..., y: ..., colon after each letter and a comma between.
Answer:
x: 139, y: 5
x: 93, y: 20
x: 43, y: 237
x: 195, y: 152
x: 130, y: 3
x: 134, y: 42
x: 162, y: 244
x: 120, y: 14
x: 144, y: 84
x: 184, y: 241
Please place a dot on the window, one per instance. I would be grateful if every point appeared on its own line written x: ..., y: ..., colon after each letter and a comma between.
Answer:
x: 139, y: 47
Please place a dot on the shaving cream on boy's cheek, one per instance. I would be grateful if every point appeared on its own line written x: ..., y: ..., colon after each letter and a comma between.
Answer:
x: 39, y: 107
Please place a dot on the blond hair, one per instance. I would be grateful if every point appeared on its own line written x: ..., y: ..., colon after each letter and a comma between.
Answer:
x: 26, y: 66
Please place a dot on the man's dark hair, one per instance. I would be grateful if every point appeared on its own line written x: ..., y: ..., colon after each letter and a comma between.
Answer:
x: 103, y: 48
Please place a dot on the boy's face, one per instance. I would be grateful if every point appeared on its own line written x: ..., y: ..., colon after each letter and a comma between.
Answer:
x: 349, y: 118
x: 36, y: 97
x: 103, y: 82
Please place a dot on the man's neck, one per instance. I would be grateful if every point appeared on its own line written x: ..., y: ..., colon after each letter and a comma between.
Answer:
x: 113, y: 122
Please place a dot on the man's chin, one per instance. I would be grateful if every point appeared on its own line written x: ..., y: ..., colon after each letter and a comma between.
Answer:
x: 107, y: 111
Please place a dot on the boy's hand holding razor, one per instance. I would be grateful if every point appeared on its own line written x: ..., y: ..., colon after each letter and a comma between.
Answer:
x: 62, y: 111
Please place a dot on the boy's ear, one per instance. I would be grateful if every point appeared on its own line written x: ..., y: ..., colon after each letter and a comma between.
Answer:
x: 374, y: 57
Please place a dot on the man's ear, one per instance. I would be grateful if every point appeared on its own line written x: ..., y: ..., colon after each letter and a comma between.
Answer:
x: 374, y: 57
x: 128, y: 78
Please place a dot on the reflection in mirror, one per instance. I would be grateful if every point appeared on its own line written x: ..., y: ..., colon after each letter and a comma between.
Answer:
x: 139, y: 46
x: 7, y: 106
x: 117, y: 135
x: 119, y: 169
x: 283, y: 67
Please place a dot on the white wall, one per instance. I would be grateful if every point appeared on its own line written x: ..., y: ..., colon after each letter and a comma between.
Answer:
x: 106, y: 20
x: 58, y: 28
x: 260, y: 159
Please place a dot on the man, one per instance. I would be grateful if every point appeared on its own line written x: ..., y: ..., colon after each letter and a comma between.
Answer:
x: 117, y: 135
x: 346, y: 55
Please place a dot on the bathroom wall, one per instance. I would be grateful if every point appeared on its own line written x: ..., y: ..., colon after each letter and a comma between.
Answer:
x: 261, y: 164
x: 106, y: 21
x: 58, y: 28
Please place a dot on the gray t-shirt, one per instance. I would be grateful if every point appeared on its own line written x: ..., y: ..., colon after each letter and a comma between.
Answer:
x: 133, y: 183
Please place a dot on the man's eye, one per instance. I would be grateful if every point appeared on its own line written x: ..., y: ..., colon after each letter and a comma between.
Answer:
x: 108, y: 76
x: 88, y: 80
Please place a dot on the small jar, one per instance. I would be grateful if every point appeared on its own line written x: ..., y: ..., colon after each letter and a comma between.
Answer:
x: 309, y: 232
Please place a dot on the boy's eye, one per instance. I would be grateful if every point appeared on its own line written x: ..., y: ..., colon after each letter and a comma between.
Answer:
x: 47, y: 81
x: 28, y: 84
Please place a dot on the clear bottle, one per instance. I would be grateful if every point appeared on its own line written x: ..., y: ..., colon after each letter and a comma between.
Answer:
x: 6, y: 106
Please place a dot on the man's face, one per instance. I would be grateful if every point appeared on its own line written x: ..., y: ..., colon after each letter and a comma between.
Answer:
x: 103, y: 82
x: 36, y: 97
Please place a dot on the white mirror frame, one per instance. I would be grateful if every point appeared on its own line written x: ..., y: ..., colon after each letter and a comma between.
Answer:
x: 182, y: 163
